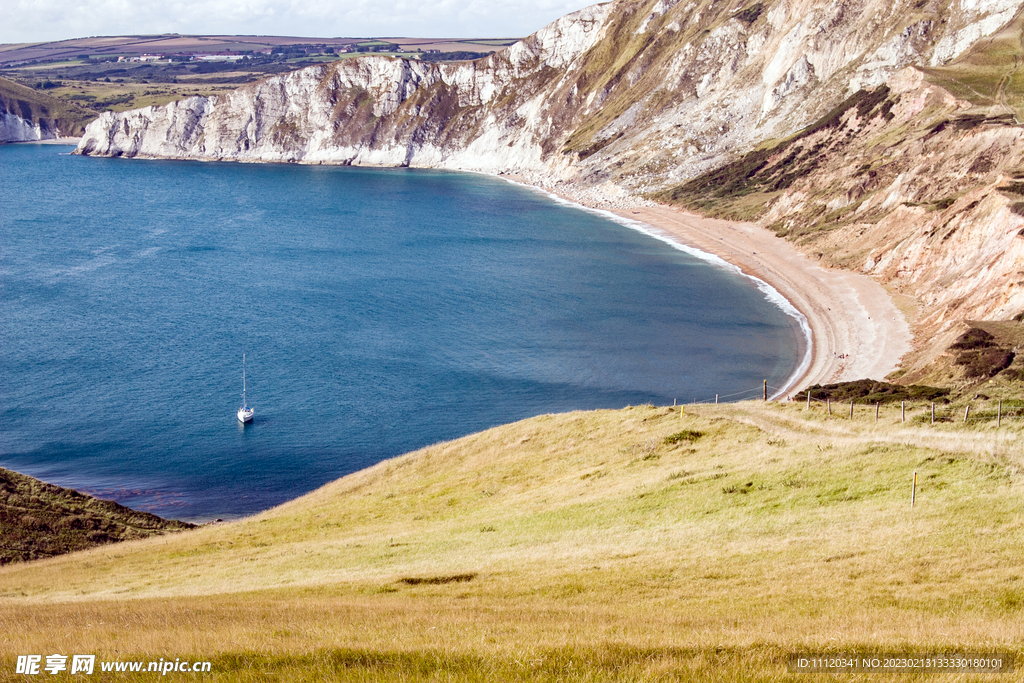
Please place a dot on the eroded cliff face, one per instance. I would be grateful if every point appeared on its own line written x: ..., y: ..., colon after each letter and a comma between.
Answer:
x: 928, y: 199
x: 633, y: 98
x: 639, y: 92
x: 492, y: 115
x: 13, y: 128
x: 918, y: 188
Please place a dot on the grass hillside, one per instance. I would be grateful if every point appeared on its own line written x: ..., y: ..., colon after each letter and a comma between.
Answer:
x: 40, y: 520
x: 38, y: 107
x: 637, y: 544
x: 989, y: 73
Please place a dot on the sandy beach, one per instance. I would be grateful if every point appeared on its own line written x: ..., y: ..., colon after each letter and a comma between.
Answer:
x: 857, y: 332
x: 56, y: 141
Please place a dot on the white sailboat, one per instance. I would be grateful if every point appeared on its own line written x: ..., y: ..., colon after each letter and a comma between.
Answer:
x: 245, y: 412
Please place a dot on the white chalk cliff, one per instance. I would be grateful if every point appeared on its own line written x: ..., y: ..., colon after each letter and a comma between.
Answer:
x: 13, y: 128
x: 639, y: 91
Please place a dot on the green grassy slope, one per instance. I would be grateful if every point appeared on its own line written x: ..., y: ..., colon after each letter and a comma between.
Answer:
x: 40, y: 520
x: 989, y: 74
x: 611, y: 545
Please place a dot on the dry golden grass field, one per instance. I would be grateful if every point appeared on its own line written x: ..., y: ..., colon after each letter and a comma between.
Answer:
x: 638, y: 544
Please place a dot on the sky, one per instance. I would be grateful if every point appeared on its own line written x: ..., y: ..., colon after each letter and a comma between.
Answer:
x: 47, y: 20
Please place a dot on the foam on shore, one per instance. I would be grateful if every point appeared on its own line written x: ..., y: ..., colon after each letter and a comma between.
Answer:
x: 772, y: 295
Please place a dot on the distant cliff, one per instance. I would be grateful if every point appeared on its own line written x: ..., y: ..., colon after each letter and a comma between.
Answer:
x: 27, y: 115
x: 637, y: 91
x: 643, y: 98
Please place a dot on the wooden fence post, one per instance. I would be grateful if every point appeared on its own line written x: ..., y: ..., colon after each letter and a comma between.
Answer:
x: 876, y: 412
x: 716, y: 399
x: 808, y: 399
x: 851, y: 410
x: 967, y: 411
x: 903, y: 411
x: 828, y: 404
x: 999, y: 415
x: 766, y: 390
x: 913, y: 492
x: 933, y: 412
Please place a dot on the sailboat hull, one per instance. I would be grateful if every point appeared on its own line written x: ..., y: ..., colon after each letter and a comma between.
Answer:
x: 245, y: 414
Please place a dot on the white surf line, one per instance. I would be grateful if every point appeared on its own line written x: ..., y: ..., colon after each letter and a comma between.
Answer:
x: 771, y: 294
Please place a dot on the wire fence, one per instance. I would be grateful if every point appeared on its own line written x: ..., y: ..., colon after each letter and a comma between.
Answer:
x: 917, y: 412
x: 765, y: 391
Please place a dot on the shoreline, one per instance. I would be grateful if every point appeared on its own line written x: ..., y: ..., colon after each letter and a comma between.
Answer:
x: 855, y: 329
x: 857, y: 332
x: 46, y: 141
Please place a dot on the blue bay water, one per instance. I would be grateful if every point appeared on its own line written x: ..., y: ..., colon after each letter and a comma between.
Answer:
x: 380, y: 310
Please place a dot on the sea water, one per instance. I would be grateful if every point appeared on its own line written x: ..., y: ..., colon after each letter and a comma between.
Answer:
x: 379, y: 310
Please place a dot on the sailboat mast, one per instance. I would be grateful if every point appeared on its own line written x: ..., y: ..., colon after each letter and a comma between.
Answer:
x: 245, y: 412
